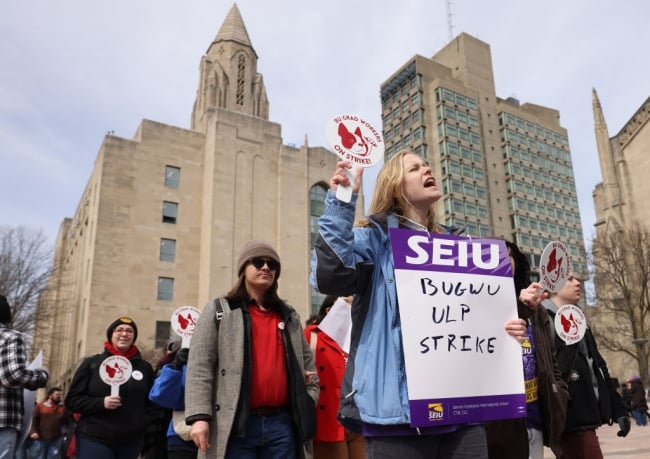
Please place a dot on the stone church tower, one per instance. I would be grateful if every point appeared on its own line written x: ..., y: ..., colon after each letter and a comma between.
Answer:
x: 164, y: 214
x: 621, y: 203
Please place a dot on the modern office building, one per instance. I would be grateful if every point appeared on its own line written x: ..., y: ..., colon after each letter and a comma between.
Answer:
x: 164, y: 214
x: 621, y: 202
x: 504, y: 167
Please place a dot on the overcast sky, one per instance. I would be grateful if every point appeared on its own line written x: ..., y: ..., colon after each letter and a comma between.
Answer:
x: 72, y: 70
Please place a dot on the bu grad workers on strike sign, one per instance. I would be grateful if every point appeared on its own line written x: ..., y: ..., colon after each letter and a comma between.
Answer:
x: 455, y: 295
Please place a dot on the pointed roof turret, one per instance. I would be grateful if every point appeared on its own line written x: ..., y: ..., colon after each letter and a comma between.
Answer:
x: 233, y: 29
x: 611, y: 195
x: 597, y: 108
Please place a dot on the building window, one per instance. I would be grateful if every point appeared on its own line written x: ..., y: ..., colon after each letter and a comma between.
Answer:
x: 317, y: 195
x: 167, y: 249
x: 163, y: 333
x: 170, y: 212
x: 166, y: 288
x: 172, y: 176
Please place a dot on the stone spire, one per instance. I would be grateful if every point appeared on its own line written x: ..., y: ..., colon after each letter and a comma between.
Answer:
x: 228, y: 75
x: 233, y: 29
x: 605, y: 153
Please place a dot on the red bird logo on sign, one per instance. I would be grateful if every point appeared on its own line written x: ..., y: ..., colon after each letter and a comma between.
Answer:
x: 183, y: 322
x: 554, y: 265
x: 114, y: 370
x: 569, y: 325
x: 353, y: 141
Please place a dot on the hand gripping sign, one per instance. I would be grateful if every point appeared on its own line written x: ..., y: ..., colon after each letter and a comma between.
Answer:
x: 554, y: 266
x: 356, y: 140
x: 183, y: 321
x: 115, y: 371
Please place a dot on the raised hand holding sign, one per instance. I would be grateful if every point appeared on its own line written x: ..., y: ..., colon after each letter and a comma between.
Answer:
x: 554, y: 266
x: 356, y: 140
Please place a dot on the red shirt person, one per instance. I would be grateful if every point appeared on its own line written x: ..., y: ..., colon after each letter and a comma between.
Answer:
x: 332, y: 440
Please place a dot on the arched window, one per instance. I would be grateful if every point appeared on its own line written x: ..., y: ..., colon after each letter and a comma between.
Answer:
x: 241, y: 78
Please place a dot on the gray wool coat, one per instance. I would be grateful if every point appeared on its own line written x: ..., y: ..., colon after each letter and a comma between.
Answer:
x: 214, y: 372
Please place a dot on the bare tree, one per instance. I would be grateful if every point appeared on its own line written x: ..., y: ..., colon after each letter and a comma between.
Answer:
x: 621, y: 262
x: 25, y: 265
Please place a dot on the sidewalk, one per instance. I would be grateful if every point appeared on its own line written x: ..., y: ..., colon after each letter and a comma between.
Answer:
x: 635, y: 446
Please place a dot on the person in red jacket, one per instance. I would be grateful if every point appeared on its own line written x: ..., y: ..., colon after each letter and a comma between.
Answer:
x: 332, y: 440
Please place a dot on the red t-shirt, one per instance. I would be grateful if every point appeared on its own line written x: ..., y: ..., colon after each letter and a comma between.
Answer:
x: 269, y: 378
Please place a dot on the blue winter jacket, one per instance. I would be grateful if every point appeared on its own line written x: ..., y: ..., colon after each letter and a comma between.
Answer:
x: 168, y: 391
x: 358, y: 261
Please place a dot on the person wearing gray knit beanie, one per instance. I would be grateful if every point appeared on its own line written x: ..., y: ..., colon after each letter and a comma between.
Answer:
x: 250, y: 363
x: 257, y: 249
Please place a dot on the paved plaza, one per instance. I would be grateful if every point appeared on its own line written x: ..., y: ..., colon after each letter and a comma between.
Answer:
x: 635, y: 446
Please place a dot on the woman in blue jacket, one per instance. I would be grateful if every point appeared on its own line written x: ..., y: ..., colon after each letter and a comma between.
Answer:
x: 169, y: 391
x: 358, y: 261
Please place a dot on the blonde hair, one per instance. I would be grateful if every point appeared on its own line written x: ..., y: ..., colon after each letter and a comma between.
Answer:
x: 388, y: 195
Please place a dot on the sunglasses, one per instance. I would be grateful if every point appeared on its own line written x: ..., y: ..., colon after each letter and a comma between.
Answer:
x: 260, y: 262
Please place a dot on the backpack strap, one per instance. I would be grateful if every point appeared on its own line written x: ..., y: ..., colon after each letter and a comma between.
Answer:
x: 220, y: 305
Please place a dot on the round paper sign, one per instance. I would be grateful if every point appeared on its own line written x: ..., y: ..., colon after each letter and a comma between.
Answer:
x: 554, y: 266
x: 183, y: 321
x: 570, y: 324
x: 115, y: 371
x: 356, y: 140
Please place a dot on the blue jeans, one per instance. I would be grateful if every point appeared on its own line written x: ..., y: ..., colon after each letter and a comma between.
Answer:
x: 267, y: 437
x: 640, y: 417
x: 30, y: 449
x: 468, y: 442
x: 51, y: 449
x: 8, y: 439
x: 89, y: 449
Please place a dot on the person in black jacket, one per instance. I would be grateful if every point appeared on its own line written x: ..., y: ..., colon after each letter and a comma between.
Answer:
x: 594, y: 399
x: 638, y: 402
x: 112, y: 426
x: 546, y: 391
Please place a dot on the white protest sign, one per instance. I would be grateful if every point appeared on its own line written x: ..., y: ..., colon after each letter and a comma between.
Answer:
x: 337, y: 324
x: 455, y: 295
x: 356, y: 140
x: 554, y: 266
x: 115, y: 371
x: 183, y: 321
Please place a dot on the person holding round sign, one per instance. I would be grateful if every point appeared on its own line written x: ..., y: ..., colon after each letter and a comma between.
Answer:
x: 355, y: 140
x: 169, y: 387
x: 546, y: 391
x: 357, y: 260
x: 110, y: 391
x: 251, y: 386
x: 594, y: 397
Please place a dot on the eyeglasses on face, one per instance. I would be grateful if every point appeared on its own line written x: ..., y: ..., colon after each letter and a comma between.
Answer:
x: 259, y: 263
x: 128, y: 331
